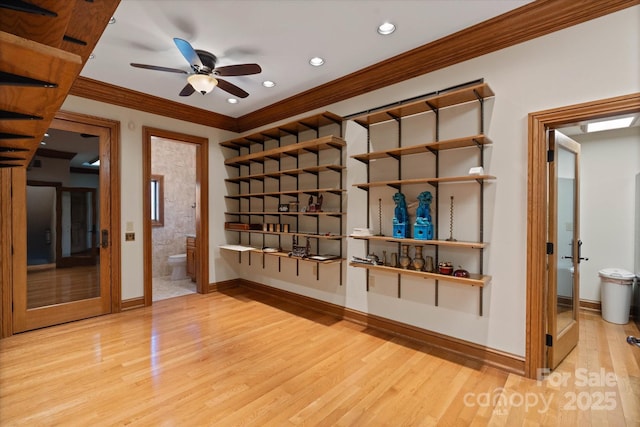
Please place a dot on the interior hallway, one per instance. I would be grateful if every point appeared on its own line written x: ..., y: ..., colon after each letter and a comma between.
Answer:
x: 240, y: 357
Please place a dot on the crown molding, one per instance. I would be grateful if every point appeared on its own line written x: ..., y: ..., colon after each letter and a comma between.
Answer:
x: 525, y: 23
x: 116, y: 95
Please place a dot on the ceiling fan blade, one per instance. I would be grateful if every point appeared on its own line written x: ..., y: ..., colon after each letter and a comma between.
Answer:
x: 232, y: 89
x: 188, y: 52
x: 187, y: 90
x: 157, y: 68
x: 238, y: 70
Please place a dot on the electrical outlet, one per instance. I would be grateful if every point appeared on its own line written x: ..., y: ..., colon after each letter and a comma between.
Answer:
x: 129, y: 237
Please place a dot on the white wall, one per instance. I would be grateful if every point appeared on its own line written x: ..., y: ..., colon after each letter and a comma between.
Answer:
x: 548, y: 72
x: 131, y: 122
x: 609, y: 162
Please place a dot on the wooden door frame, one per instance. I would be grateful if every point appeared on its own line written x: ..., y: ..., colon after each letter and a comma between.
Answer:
x: 537, y: 209
x: 8, y: 267
x: 202, y: 211
x: 70, y: 261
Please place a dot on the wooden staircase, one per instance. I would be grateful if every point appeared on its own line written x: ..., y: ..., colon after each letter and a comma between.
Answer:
x: 43, y: 46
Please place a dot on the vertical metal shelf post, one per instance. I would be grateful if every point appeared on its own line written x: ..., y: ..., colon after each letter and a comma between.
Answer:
x: 481, y: 183
x: 436, y: 112
x: 399, y: 160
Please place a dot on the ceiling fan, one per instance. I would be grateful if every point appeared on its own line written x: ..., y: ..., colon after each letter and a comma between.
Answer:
x: 205, y: 74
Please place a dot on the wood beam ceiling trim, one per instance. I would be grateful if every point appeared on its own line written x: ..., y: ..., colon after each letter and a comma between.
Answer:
x: 533, y: 20
x: 116, y: 95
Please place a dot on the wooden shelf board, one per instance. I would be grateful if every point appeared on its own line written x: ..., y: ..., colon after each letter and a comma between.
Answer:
x: 299, y: 234
x: 314, y: 145
x: 478, y: 280
x: 286, y: 213
x: 285, y: 254
x: 313, y: 122
x: 432, y: 181
x: 455, y: 244
x: 288, y: 193
x: 236, y: 248
x: 471, y: 141
x: 440, y: 100
x: 291, y: 172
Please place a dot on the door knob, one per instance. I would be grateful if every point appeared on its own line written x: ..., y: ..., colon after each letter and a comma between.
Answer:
x: 633, y: 340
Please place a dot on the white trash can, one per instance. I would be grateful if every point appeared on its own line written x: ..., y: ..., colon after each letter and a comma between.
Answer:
x: 615, y: 292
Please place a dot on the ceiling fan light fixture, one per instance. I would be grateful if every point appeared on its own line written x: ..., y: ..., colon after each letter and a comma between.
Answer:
x: 202, y: 83
x: 386, y: 28
x: 268, y: 83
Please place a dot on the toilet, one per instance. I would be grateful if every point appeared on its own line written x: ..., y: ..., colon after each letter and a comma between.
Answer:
x: 178, y: 264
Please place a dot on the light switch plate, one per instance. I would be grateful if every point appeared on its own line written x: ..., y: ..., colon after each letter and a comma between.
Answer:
x: 129, y: 237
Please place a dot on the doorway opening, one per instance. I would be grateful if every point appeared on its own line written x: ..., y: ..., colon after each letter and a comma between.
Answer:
x: 175, y: 214
x: 539, y: 124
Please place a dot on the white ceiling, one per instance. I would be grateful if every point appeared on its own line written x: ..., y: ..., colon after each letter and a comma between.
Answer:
x: 280, y: 35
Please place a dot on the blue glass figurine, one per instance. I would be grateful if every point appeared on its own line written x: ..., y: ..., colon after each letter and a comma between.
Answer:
x: 423, y: 227
x: 400, y: 217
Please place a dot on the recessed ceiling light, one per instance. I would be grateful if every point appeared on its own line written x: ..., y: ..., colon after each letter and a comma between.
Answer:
x: 268, y: 83
x: 43, y: 143
x: 91, y: 56
x: 316, y: 61
x: 112, y: 20
x: 386, y: 28
x: 232, y: 101
x: 610, y: 124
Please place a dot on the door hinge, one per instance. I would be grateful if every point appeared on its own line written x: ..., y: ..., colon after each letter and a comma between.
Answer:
x: 549, y: 248
x: 549, y: 340
x: 550, y: 156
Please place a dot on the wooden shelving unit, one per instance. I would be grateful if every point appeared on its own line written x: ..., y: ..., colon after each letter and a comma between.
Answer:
x: 474, y: 279
x: 471, y: 141
x: 313, y: 146
x: 287, y: 193
x: 397, y: 183
x: 259, y: 164
x: 274, y: 213
x: 280, y: 254
x: 288, y: 172
x: 454, y: 244
x: 473, y: 92
x: 429, y: 103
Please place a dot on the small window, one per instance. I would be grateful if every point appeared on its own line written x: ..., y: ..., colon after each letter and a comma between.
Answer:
x: 157, y: 200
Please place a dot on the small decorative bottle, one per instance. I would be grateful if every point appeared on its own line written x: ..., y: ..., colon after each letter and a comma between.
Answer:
x: 418, y: 260
x: 404, y: 258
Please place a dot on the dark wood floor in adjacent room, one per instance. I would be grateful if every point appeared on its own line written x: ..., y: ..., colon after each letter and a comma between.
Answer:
x: 243, y: 358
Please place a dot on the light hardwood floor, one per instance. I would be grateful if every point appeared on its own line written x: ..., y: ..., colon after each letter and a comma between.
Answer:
x: 243, y: 358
